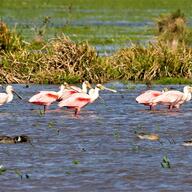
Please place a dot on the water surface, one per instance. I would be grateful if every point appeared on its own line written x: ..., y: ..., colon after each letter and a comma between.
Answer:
x: 98, y: 150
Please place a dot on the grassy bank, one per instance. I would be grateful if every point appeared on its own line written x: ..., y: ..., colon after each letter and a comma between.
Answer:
x: 61, y: 59
x: 64, y: 60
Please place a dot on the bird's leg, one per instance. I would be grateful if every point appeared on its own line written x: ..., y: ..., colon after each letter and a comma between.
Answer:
x: 44, y: 108
x: 77, y: 110
x: 170, y: 107
x: 152, y: 108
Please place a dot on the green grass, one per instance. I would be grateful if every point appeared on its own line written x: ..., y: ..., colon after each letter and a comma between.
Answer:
x: 172, y: 80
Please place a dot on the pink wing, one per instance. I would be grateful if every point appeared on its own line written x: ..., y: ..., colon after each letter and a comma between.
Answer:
x: 44, y: 98
x: 75, y: 88
x: 146, y: 97
x: 169, y: 97
x: 76, y: 100
x: 67, y: 93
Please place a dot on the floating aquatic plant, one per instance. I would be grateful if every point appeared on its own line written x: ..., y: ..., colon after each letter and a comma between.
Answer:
x: 68, y: 173
x: 41, y: 112
x: 52, y: 124
x: 116, y: 134
x: 75, y: 162
x: 165, y: 162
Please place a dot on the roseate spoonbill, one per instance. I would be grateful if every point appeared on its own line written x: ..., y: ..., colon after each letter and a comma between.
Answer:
x: 8, y: 96
x: 71, y: 89
x: 79, y: 100
x: 173, y: 98
x: 146, y: 97
x: 46, y: 98
x: 85, y: 85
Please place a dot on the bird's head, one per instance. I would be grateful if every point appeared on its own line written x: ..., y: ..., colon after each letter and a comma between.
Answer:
x: 87, y: 84
x: 9, y: 88
x: 165, y: 89
x: 21, y: 139
x: 188, y: 89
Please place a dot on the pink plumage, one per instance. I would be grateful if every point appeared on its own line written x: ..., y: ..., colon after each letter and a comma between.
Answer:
x: 44, y: 98
x: 147, y: 96
x: 76, y: 101
x: 173, y: 98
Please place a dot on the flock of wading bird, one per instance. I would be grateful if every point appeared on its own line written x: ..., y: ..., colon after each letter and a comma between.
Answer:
x: 75, y: 98
x: 170, y: 98
x: 69, y: 96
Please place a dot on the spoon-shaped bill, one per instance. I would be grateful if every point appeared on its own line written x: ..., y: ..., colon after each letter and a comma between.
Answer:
x: 102, y: 87
x: 112, y: 90
x: 17, y: 95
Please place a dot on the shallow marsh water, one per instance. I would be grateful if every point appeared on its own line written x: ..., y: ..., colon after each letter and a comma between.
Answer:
x: 98, y: 150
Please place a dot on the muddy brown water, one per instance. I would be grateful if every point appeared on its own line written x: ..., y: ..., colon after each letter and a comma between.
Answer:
x: 98, y: 150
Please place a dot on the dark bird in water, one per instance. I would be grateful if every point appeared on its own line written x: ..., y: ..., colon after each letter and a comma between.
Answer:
x: 187, y: 143
x: 13, y: 140
x: 149, y: 136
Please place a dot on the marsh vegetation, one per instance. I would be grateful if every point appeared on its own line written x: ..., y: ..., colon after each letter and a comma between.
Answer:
x: 167, y: 56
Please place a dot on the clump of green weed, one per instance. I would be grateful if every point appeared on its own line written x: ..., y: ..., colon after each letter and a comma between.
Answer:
x: 165, y: 162
x: 152, y: 62
x: 172, y: 29
x: 9, y: 40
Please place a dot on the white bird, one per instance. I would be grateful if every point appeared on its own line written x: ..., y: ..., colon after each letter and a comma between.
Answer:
x: 8, y: 96
x: 85, y: 85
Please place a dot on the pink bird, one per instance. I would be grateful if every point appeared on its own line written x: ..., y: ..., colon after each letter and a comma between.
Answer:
x: 173, y: 98
x: 85, y: 85
x: 147, y: 96
x: 45, y: 98
x: 71, y: 89
x: 79, y: 100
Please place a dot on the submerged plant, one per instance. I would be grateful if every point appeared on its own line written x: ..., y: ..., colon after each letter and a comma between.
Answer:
x: 75, y: 162
x: 165, y: 162
x: 116, y: 134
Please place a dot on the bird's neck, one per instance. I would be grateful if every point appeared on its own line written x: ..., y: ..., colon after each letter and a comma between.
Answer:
x: 94, y: 94
x: 60, y: 92
x: 10, y: 96
x: 84, y: 88
x: 187, y: 95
